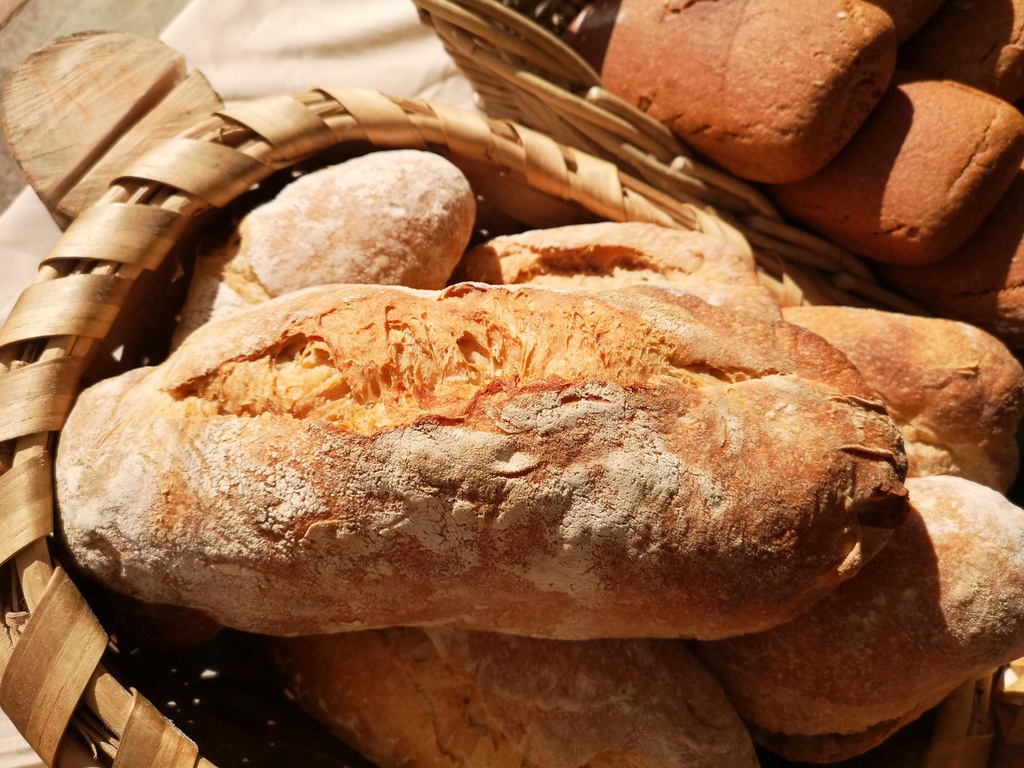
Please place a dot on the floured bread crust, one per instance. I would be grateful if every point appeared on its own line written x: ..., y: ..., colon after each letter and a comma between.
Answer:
x: 610, y: 255
x: 397, y: 217
x: 941, y: 604
x: 452, y: 699
x: 558, y: 464
x: 956, y: 392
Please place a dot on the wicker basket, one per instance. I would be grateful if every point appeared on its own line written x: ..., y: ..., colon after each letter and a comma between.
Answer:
x: 522, y: 71
x: 99, y: 286
x: 55, y: 655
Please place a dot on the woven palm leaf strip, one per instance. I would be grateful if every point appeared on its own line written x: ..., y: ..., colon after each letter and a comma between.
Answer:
x: 523, y: 72
x: 54, y: 685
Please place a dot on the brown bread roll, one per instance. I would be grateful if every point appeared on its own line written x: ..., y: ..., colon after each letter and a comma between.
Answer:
x: 981, y: 281
x: 980, y: 44
x: 908, y: 15
x: 609, y: 255
x: 560, y: 464
x: 956, y: 393
x: 919, y: 178
x: 448, y: 698
x: 769, y: 90
x: 397, y: 217
x: 941, y: 604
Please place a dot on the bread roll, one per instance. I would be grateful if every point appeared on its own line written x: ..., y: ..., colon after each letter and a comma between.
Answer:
x: 918, y: 179
x: 443, y: 698
x: 398, y: 217
x: 941, y: 604
x: 560, y: 464
x: 980, y: 44
x: 981, y: 281
x: 908, y: 15
x: 956, y: 393
x: 770, y: 90
x: 608, y: 255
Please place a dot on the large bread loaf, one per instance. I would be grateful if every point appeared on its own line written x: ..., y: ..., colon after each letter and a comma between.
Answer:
x: 561, y: 464
x: 943, y: 603
x: 444, y: 698
x: 956, y: 392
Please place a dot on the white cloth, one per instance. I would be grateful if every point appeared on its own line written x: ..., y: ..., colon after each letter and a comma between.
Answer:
x: 251, y: 48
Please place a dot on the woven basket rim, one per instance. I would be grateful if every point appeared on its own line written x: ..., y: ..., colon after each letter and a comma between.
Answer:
x: 52, y: 654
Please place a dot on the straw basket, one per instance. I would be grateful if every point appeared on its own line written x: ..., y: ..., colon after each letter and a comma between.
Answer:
x: 67, y: 680
x: 96, y: 289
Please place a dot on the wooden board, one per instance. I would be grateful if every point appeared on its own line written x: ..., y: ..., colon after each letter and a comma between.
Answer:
x: 80, y: 109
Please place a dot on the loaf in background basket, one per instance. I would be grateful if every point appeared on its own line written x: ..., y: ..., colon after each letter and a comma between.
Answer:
x: 441, y: 697
x: 771, y: 90
x: 487, y: 458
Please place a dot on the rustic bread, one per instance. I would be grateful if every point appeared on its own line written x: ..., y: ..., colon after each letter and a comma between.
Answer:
x: 981, y: 281
x: 979, y: 44
x: 397, y: 217
x: 442, y: 698
x: 561, y: 464
x: 908, y: 15
x: 941, y: 604
x: 769, y: 90
x: 919, y: 178
x: 609, y: 255
x: 956, y: 393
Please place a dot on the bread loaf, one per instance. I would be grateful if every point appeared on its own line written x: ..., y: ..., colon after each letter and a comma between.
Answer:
x: 770, y: 90
x: 941, y: 604
x: 919, y: 177
x: 560, y: 464
x: 398, y: 217
x: 609, y: 255
x: 981, y: 281
x: 979, y: 44
x: 956, y: 392
x: 908, y: 15
x: 443, y: 698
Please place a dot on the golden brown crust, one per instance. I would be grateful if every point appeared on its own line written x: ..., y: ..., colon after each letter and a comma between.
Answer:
x: 920, y: 176
x: 562, y: 464
x: 941, y: 604
x: 610, y: 255
x: 395, y: 217
x: 956, y: 392
x: 449, y: 698
x: 770, y: 90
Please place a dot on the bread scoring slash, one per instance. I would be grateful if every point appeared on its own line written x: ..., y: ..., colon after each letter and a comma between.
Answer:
x: 550, y: 463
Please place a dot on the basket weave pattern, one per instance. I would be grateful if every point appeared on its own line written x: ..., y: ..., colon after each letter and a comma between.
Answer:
x: 54, y: 685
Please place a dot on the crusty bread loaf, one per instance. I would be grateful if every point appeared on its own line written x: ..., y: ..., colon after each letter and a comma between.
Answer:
x: 919, y: 177
x: 561, y: 464
x: 397, y: 217
x: 453, y: 699
x: 981, y: 281
x: 941, y: 604
x: 769, y: 89
x: 979, y: 44
x: 956, y: 393
x: 610, y: 255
